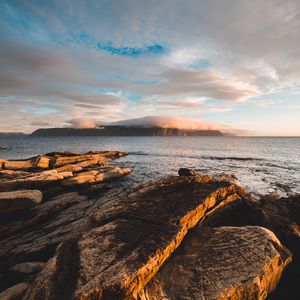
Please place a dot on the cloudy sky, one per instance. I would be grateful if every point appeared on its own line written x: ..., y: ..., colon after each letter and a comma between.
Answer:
x: 229, y: 64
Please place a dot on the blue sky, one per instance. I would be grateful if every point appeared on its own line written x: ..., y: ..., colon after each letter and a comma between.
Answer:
x: 229, y: 65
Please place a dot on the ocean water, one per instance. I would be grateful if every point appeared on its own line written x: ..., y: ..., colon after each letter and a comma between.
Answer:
x: 262, y: 164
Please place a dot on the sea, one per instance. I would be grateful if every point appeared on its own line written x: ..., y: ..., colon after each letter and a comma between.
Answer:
x: 263, y: 165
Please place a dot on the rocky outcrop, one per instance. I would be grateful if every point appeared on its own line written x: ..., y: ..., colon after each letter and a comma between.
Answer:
x: 19, y: 200
x: 103, y: 242
x: 222, y: 263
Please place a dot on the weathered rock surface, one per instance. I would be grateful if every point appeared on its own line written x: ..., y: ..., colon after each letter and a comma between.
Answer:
x: 98, y: 241
x: 131, y: 239
x: 237, y: 263
x: 19, y: 200
x: 281, y: 216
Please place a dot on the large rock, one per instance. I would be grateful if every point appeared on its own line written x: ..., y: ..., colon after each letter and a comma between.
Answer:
x: 238, y: 263
x: 116, y: 243
x: 19, y: 200
x: 131, y: 242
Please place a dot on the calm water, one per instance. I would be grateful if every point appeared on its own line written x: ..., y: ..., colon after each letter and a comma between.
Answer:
x: 263, y: 165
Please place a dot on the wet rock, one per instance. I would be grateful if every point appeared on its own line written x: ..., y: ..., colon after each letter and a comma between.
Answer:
x: 19, y: 200
x: 186, y: 172
x: 15, y: 292
x: 222, y: 263
x: 28, y: 267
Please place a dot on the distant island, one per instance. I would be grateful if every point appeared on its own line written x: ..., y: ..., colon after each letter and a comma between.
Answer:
x: 125, y: 131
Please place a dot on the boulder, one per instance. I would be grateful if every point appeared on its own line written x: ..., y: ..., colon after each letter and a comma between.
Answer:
x: 15, y: 292
x: 28, y: 267
x: 222, y: 263
x: 131, y: 242
x: 186, y: 172
x: 19, y: 200
x: 116, y: 173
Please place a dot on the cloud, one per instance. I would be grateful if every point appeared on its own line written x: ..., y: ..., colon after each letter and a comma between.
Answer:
x: 170, y: 122
x: 39, y: 123
x: 205, y: 83
x: 83, y: 123
x: 136, y: 58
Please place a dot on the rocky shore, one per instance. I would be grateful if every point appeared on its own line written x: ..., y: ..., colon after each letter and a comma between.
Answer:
x: 70, y: 229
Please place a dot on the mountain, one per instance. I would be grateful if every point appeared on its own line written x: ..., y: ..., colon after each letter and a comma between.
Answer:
x: 124, y: 131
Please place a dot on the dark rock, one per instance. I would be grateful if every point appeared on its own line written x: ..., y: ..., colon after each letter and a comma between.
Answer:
x: 186, y: 172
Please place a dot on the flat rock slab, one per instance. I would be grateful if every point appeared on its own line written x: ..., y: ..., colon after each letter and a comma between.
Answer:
x: 132, y: 240
x: 19, y: 200
x: 221, y: 263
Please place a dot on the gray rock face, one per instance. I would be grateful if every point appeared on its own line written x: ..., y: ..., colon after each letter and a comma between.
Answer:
x: 238, y: 263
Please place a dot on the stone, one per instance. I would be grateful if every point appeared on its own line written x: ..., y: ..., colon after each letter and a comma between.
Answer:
x: 19, y: 200
x: 221, y: 263
x: 57, y: 278
x: 35, y: 180
x: 69, y: 168
x: 38, y: 162
x: 15, y: 292
x: 11, y: 174
x: 28, y: 267
x: 131, y: 242
x: 116, y: 173
x: 186, y: 172
x: 64, y: 160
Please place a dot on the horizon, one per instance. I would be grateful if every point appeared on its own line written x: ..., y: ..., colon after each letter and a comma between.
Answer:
x: 217, y: 65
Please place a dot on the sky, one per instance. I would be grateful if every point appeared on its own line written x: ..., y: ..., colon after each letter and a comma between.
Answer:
x: 232, y: 65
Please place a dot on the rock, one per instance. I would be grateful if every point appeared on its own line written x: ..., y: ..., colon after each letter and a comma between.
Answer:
x: 222, y: 263
x: 186, y: 172
x: 95, y: 176
x: 37, y: 180
x: 10, y: 174
x: 120, y: 255
x: 28, y: 267
x: 38, y: 162
x: 15, y: 292
x: 116, y: 173
x: 19, y: 200
x: 56, y: 281
x: 69, y: 168
x: 64, y: 160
